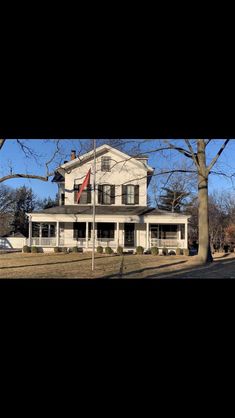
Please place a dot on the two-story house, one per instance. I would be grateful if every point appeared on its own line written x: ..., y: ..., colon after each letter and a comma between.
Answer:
x: 122, y: 215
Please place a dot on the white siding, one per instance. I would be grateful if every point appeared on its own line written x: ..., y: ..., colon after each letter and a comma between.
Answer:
x: 122, y: 172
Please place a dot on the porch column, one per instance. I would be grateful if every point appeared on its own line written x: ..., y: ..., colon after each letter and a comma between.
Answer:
x: 186, y: 234
x: 30, y: 231
x: 179, y: 232
x: 147, y: 236
x: 57, y: 234
x: 87, y: 231
x: 40, y: 233
x: 117, y: 238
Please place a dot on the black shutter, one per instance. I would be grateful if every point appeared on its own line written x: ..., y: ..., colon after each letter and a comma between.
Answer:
x: 100, y: 194
x: 112, y: 195
x: 124, y: 195
x: 137, y: 194
x: 88, y: 193
x: 76, y: 190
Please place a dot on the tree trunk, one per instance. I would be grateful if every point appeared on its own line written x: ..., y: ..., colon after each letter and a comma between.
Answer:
x: 204, y: 252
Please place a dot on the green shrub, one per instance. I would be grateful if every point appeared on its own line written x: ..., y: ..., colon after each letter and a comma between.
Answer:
x: 165, y: 251
x: 172, y: 252
x: 100, y: 249
x: 108, y: 250
x: 186, y: 251
x: 26, y: 249
x: 120, y: 250
x: 64, y: 249
x: 154, y: 251
x: 34, y: 250
x: 178, y: 251
x: 56, y: 249
x: 139, y: 250
x: 75, y: 249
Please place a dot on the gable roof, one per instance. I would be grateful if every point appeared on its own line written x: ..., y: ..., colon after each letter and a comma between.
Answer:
x: 102, y: 150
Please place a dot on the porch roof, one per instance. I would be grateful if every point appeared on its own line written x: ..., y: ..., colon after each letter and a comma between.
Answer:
x: 100, y: 210
x: 109, y: 210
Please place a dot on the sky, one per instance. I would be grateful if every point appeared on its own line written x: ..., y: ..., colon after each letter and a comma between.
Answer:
x: 11, y: 156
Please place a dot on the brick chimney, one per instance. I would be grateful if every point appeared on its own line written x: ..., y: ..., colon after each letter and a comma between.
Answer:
x: 73, y: 154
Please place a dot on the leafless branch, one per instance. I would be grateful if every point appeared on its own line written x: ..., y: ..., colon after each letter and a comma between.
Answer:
x: 179, y: 149
x: 194, y: 157
x: 2, y: 143
x: 217, y: 155
x: 25, y: 176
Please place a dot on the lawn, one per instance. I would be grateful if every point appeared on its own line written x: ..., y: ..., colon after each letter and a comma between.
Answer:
x: 77, y: 265
x: 19, y: 265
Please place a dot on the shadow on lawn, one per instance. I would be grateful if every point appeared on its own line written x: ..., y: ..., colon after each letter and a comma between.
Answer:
x: 137, y: 272
x: 175, y: 274
x: 189, y: 272
x: 48, y: 264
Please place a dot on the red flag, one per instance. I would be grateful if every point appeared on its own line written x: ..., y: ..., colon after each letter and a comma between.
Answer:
x: 84, y: 185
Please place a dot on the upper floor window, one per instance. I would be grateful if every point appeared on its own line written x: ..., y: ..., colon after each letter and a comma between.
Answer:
x: 85, y: 197
x: 106, y: 194
x: 130, y: 194
x: 105, y: 163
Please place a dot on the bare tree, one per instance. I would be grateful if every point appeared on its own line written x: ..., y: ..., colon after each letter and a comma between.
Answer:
x: 196, y: 151
x: 30, y: 153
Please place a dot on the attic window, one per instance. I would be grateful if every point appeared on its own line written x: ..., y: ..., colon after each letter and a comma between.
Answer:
x: 105, y: 163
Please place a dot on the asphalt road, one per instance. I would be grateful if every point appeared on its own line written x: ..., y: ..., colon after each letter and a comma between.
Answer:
x: 220, y: 269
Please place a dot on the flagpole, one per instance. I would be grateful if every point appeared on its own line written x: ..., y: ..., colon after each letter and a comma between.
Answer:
x: 93, y: 229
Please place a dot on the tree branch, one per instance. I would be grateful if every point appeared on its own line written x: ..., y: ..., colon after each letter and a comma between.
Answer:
x: 192, y: 153
x: 2, y: 142
x: 24, y: 176
x: 217, y: 156
x: 179, y: 149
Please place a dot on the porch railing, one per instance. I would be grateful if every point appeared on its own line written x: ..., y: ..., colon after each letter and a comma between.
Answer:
x: 106, y: 242
x: 72, y: 242
x: 167, y: 243
x: 43, y: 242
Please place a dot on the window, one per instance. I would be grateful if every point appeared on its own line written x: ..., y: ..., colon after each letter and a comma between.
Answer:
x: 168, y: 231
x: 79, y: 230
x: 35, y: 229
x: 62, y: 199
x: 105, y: 230
x: 105, y: 163
x: 130, y: 195
x: 85, y: 197
x: 48, y: 230
x: 106, y: 194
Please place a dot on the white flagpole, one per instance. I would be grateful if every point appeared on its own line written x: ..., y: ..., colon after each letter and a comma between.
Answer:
x: 94, y: 186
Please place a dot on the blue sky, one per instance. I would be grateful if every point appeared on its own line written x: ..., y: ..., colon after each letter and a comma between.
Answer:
x: 12, y: 156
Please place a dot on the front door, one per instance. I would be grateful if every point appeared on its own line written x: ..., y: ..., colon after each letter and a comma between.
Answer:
x: 129, y: 240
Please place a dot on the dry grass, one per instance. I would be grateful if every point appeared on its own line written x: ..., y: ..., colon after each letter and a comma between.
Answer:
x: 76, y: 265
x: 44, y: 266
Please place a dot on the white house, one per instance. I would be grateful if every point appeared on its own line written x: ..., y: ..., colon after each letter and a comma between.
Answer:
x: 122, y: 215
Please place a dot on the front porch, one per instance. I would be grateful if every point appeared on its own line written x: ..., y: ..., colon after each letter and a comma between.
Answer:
x: 107, y: 234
